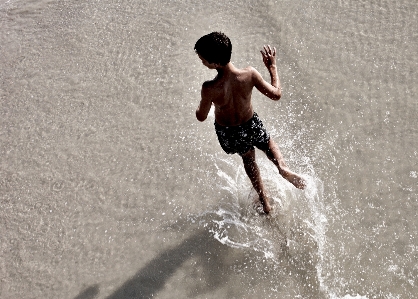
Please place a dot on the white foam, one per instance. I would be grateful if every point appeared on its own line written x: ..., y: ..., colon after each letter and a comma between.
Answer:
x: 299, y: 216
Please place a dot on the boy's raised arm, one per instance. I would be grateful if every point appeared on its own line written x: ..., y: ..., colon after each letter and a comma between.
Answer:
x: 273, y: 90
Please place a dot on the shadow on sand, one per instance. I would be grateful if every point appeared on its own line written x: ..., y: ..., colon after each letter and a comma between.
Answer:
x: 153, y: 276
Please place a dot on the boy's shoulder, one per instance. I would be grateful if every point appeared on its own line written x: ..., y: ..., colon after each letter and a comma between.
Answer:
x: 249, y: 71
x: 209, y: 83
x: 210, y: 88
x: 247, y: 74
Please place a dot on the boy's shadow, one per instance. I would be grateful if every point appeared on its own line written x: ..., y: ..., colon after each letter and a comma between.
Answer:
x: 153, y: 276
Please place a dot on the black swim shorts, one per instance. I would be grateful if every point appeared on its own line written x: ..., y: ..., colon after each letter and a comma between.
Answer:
x: 240, y: 139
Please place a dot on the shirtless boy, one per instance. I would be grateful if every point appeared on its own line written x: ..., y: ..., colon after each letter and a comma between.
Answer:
x: 237, y: 126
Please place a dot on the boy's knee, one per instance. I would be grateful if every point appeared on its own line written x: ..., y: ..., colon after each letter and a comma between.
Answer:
x: 248, y: 156
x: 249, y: 162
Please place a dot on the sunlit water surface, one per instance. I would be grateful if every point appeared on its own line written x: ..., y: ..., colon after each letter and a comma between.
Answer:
x: 110, y: 188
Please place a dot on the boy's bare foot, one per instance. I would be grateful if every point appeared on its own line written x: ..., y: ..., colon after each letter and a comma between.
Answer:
x: 258, y: 207
x: 296, y: 180
x: 262, y: 205
x: 274, y: 154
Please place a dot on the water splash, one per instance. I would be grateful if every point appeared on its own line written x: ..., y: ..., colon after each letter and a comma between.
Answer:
x: 296, y: 227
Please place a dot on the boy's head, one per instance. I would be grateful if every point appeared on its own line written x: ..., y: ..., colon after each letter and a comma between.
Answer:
x: 215, y: 47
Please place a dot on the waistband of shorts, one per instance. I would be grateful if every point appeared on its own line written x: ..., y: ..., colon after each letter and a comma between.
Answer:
x: 255, y: 116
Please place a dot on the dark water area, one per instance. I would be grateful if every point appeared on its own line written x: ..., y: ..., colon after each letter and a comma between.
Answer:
x: 110, y: 188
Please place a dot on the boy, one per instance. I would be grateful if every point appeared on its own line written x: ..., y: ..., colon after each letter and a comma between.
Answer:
x: 237, y: 126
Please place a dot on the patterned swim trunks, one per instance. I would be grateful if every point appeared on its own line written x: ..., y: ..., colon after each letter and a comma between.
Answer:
x: 240, y: 139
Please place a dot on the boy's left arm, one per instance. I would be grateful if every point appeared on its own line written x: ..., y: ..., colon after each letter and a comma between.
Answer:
x: 205, y: 104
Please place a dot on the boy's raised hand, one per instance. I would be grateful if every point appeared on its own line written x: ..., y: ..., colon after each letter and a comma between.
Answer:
x: 269, y: 56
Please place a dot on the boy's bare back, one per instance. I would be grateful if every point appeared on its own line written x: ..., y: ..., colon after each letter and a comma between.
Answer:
x: 231, y: 95
x: 230, y: 91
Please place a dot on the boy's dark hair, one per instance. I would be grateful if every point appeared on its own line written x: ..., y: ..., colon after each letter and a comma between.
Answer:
x: 215, y: 47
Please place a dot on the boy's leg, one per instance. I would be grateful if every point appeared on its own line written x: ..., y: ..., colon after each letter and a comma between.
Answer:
x: 274, y: 154
x: 253, y: 172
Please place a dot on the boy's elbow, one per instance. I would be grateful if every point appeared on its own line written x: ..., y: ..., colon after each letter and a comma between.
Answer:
x: 276, y: 96
x: 200, y: 117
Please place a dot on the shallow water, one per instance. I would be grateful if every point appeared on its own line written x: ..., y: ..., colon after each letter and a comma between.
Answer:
x: 110, y: 188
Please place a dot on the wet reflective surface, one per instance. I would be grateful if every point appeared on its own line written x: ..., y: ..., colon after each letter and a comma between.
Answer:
x: 110, y: 188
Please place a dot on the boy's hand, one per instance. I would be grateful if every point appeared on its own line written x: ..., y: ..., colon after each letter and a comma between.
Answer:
x: 269, y: 59
x: 269, y: 56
